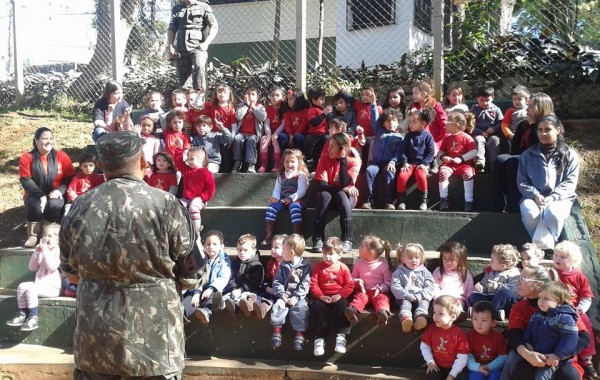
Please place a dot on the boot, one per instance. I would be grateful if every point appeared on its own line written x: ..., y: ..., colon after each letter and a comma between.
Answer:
x: 33, y: 229
x: 276, y: 162
x: 297, y: 229
x: 423, y: 205
x: 401, y: 201
x: 269, y: 231
x: 264, y: 158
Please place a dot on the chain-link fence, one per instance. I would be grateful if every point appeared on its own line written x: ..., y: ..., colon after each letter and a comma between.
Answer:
x: 67, y: 46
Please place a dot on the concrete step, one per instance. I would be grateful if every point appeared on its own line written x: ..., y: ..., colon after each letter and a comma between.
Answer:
x: 244, y: 190
x: 27, y: 362
x: 478, y: 230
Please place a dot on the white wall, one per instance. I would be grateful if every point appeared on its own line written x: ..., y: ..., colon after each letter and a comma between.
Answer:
x: 377, y: 45
x: 253, y: 22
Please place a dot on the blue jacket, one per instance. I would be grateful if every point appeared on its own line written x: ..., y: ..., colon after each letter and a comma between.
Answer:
x: 386, y: 145
x: 219, y: 273
x: 417, y: 148
x: 486, y: 118
x: 537, y: 175
x: 292, y: 280
x: 554, y: 332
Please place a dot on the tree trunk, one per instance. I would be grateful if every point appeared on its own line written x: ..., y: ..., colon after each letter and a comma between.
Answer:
x: 457, y: 21
x: 89, y: 84
x: 277, y: 32
x: 506, y: 13
x: 561, y: 19
x: 321, y: 31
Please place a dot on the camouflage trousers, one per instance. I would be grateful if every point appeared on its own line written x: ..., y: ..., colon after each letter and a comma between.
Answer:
x: 86, y: 375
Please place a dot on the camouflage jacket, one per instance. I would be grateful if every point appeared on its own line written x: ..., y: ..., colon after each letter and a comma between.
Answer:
x: 123, y: 239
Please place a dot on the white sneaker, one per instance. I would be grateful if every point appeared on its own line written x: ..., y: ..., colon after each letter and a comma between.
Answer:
x: 319, y: 347
x: 340, y: 343
x: 251, y: 169
x: 501, y: 315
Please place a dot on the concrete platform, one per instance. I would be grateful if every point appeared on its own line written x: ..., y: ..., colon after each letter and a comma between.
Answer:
x: 33, y: 362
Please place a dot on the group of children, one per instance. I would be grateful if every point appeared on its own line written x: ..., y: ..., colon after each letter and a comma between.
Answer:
x: 329, y: 297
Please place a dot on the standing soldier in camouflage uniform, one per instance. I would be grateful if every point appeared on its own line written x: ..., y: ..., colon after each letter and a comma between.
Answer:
x: 124, y: 241
x: 189, y: 21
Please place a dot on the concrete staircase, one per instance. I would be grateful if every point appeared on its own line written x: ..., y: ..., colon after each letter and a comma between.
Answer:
x: 238, y: 208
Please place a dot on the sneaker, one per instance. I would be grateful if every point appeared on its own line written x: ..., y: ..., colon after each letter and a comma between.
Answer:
x: 18, y: 320
x: 350, y: 314
x: 469, y: 207
x: 500, y: 315
x: 390, y: 206
x: 203, y: 315
x: 298, y: 344
x: 230, y: 306
x: 401, y: 206
x: 251, y: 169
x: 275, y: 340
x: 479, y: 166
x: 423, y: 205
x: 317, y: 245
x: 237, y: 167
x: 340, y: 344
x: 247, y: 307
x: 382, y: 317
x: 407, y: 323
x: 261, y: 309
x: 444, y: 204
x: 420, y: 322
x: 319, y: 349
x: 347, y: 246
x: 217, y: 302
x: 262, y: 169
x: 470, y: 312
x: 30, y: 324
x: 366, y: 205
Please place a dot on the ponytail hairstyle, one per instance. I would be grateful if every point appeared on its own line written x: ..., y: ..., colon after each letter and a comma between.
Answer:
x: 379, y: 246
x: 300, y: 101
x: 562, y: 149
x: 410, y: 249
x: 425, y: 114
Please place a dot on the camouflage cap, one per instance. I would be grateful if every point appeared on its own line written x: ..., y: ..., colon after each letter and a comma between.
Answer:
x: 116, y: 147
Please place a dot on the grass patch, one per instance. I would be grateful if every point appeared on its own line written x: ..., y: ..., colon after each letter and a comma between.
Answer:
x: 72, y: 133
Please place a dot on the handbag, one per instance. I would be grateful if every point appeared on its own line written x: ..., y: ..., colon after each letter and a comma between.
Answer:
x: 542, y: 236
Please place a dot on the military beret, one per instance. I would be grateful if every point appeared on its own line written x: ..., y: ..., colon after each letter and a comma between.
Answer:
x: 116, y: 147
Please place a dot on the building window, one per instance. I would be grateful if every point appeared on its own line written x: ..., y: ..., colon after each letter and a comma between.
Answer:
x: 363, y: 14
x: 423, y: 14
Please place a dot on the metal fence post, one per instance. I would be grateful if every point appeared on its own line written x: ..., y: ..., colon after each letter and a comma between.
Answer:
x: 301, y: 44
x: 115, y: 31
x: 18, y: 61
x: 437, y: 26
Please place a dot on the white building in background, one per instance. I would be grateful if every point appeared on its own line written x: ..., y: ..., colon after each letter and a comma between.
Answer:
x: 374, y: 31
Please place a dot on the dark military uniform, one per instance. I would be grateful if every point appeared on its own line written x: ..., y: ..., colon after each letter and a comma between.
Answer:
x: 123, y: 239
x: 189, y: 24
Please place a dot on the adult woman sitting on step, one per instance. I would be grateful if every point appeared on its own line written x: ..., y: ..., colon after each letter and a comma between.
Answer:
x: 45, y: 174
x: 336, y: 177
x: 522, y: 362
x: 506, y: 165
x: 108, y: 108
x: 547, y: 179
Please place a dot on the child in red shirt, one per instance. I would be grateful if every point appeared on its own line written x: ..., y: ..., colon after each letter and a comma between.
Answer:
x: 317, y: 127
x: 251, y: 116
x: 294, y: 119
x: 330, y: 285
x: 274, y: 122
x: 176, y: 140
x: 84, y: 180
x: 163, y: 174
x: 444, y: 346
x: 198, y: 183
x: 456, y: 154
x: 567, y: 261
x: 487, y: 346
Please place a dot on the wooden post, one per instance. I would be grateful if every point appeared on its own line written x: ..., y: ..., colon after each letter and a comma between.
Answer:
x: 116, y: 50
x: 18, y: 61
x: 437, y: 26
x: 301, y: 44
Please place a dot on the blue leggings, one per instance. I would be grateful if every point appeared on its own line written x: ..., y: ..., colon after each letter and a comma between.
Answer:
x: 294, y: 207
